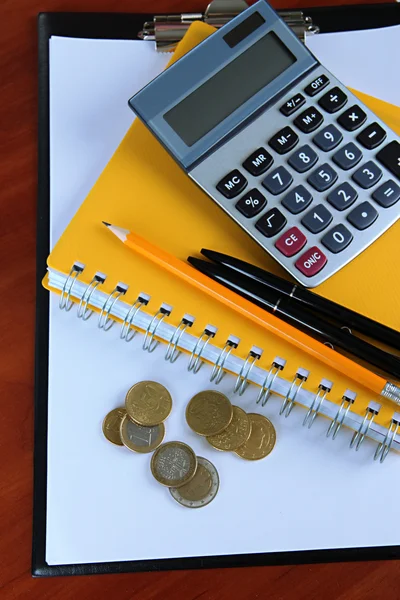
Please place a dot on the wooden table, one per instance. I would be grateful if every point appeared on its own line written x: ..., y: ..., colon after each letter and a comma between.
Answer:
x: 18, y: 68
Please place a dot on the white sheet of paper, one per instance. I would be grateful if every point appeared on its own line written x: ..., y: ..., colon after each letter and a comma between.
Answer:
x: 102, y: 502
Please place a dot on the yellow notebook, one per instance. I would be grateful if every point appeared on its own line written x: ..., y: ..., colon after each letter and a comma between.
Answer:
x: 143, y: 189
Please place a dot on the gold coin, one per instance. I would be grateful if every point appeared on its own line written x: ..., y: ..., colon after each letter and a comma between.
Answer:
x: 235, y: 435
x: 141, y: 439
x: 209, y: 413
x: 261, y: 441
x: 173, y: 464
x: 148, y: 403
x: 111, y: 426
x: 202, y: 489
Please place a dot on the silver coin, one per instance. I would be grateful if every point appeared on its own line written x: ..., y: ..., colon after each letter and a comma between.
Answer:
x: 141, y: 439
x: 198, y: 492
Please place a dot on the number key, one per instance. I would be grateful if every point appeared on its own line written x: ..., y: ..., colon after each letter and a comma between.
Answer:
x: 348, y: 156
x: 337, y: 238
x: 367, y: 175
x: 323, y: 177
x: 317, y: 219
x: 278, y: 181
x: 328, y: 138
x: 343, y: 196
x: 303, y: 159
x: 297, y: 199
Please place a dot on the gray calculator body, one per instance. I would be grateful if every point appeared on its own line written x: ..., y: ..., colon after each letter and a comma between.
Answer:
x: 279, y: 143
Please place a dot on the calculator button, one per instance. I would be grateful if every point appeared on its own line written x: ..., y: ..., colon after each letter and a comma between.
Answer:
x: 372, y: 136
x: 323, y: 177
x: 258, y: 162
x: 328, y: 138
x: 362, y: 216
x: 337, y: 238
x: 343, y: 196
x: 317, y: 85
x: 231, y: 185
x: 291, y: 242
x: 333, y: 100
x: 387, y: 194
x: 389, y: 156
x: 284, y: 140
x: 309, y: 120
x: 297, y: 199
x: 352, y: 118
x: 348, y: 156
x: 311, y: 262
x: 277, y: 181
x: 317, y: 219
x: 303, y: 159
x: 252, y: 203
x: 271, y: 223
x: 292, y: 104
x: 367, y: 175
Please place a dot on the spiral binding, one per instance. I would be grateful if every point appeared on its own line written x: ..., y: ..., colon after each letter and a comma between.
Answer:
x: 242, y: 380
x: 172, y: 352
x: 278, y: 364
x: 128, y: 331
x: 323, y: 390
x: 348, y: 399
x: 150, y: 343
x: 218, y: 370
x: 300, y: 378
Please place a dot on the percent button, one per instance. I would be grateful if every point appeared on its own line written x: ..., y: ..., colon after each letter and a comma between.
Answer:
x: 251, y: 203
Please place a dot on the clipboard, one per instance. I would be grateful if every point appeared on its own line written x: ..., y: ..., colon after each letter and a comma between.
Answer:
x: 126, y: 26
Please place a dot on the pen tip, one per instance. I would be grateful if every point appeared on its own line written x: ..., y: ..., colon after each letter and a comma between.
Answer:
x: 106, y: 224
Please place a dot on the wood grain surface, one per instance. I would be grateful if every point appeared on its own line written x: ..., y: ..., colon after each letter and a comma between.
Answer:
x: 18, y: 117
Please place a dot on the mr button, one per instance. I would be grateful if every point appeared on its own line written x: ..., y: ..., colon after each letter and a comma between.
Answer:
x: 311, y: 262
x: 232, y: 184
x: 291, y: 242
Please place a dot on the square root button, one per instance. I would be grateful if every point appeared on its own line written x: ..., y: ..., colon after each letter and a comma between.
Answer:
x: 311, y: 261
x: 291, y: 242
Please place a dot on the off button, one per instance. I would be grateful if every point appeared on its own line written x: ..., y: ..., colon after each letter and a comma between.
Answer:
x: 311, y: 262
x: 291, y: 242
x: 317, y: 85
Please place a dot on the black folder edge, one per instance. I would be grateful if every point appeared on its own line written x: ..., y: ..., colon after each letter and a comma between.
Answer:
x: 126, y: 26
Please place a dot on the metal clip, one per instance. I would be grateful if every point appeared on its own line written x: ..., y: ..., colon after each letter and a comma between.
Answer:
x: 288, y: 403
x: 323, y: 390
x: 348, y: 399
x: 359, y: 435
x: 243, y: 378
x: 149, y: 342
x: 69, y: 283
x: 172, y: 352
x: 83, y: 312
x: 195, y: 361
x: 127, y: 332
x: 277, y: 365
x: 218, y: 370
x: 105, y: 321
x: 383, y: 448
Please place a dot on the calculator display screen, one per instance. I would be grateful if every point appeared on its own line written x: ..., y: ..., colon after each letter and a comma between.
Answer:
x: 233, y: 85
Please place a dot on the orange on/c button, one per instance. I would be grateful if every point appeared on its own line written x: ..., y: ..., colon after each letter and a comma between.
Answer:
x: 291, y: 242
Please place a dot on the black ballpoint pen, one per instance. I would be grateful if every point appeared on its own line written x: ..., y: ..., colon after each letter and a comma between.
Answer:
x: 280, y: 305
x: 345, y: 316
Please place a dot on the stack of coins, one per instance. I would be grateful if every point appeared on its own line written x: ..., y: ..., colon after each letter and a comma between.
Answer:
x: 192, y: 480
x: 139, y: 426
x: 229, y: 428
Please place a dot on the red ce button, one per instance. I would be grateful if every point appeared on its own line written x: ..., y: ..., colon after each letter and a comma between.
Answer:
x: 291, y: 242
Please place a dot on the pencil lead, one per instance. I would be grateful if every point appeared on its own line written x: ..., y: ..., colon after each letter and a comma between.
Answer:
x: 106, y: 224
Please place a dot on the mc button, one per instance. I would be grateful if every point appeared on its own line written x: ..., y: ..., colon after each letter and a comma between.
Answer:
x: 232, y: 184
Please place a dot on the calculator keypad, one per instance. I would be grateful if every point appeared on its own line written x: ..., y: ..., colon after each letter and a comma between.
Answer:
x: 312, y: 184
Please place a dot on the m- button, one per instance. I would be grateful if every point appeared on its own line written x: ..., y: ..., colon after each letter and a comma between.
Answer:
x: 291, y: 242
x: 232, y: 184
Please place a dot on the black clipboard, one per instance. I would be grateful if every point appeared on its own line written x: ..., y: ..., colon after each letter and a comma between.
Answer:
x: 126, y: 26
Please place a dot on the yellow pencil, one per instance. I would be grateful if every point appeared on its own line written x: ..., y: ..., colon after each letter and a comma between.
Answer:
x: 267, y: 321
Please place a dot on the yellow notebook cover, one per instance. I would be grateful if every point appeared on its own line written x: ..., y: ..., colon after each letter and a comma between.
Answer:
x: 144, y: 190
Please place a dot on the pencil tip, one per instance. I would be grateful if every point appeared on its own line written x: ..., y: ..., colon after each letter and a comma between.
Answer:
x: 106, y: 224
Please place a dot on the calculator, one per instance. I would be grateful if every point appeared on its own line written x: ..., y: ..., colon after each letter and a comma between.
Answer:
x: 282, y: 146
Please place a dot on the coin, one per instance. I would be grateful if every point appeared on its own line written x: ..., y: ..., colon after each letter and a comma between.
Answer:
x: 209, y: 413
x: 173, y: 464
x: 202, y: 489
x: 261, y: 441
x: 235, y: 435
x: 148, y: 403
x: 111, y: 425
x: 141, y: 439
